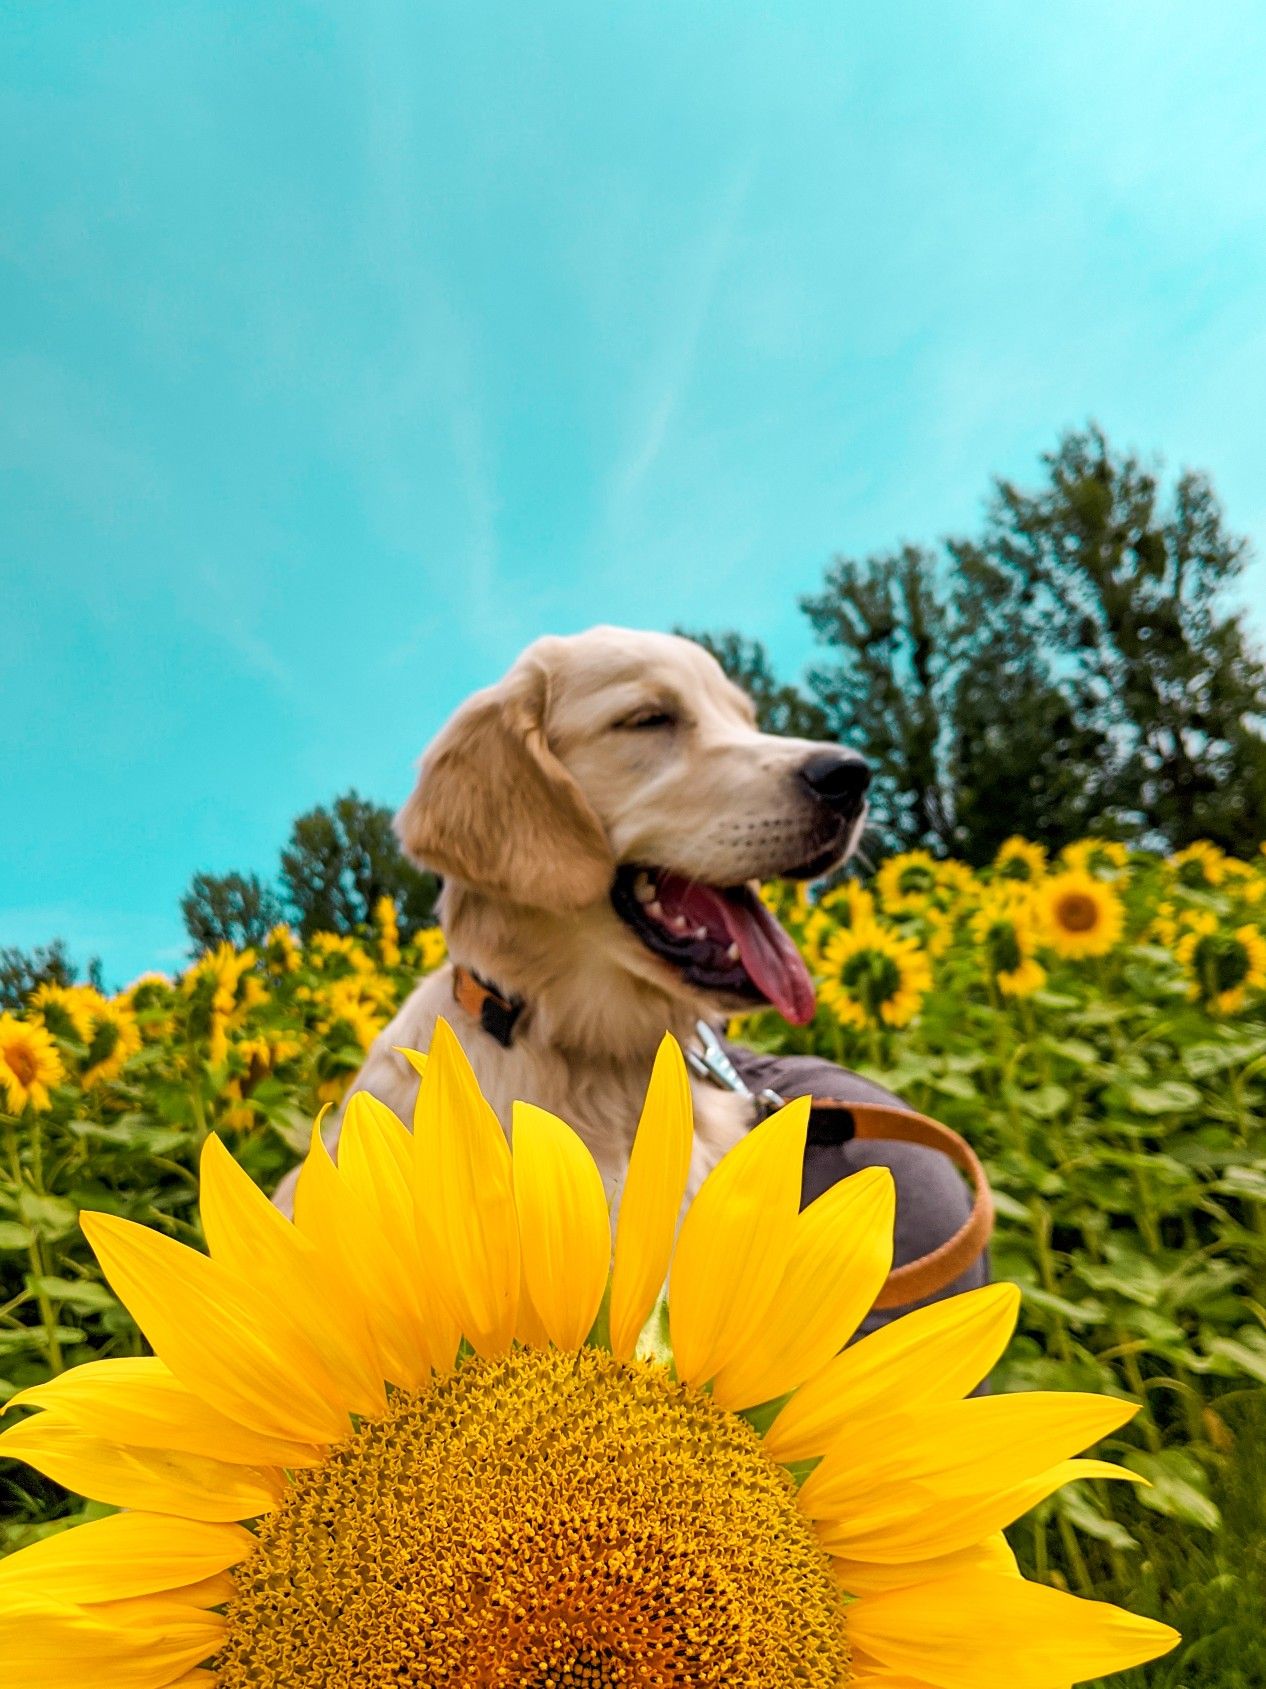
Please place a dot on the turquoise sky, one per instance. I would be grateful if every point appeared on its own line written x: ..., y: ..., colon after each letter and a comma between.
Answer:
x: 344, y: 348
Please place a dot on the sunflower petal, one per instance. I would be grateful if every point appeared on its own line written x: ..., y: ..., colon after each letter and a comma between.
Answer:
x: 916, y: 1522
x: 127, y: 1554
x: 735, y: 1243
x: 464, y: 1196
x: 417, y: 1060
x: 933, y: 1354
x: 60, y: 1646
x: 659, y: 1165
x: 978, y: 1627
x: 870, y: 1577
x: 349, y: 1235
x: 189, y: 1486
x: 376, y: 1162
x: 840, y: 1258
x: 976, y: 1447
x: 142, y: 1403
x: 215, y: 1336
x: 250, y: 1236
x: 564, y: 1228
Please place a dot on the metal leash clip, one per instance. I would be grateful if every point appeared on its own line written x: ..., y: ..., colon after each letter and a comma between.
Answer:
x: 714, y: 1065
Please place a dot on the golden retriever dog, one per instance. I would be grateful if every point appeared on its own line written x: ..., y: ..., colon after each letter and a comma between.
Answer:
x: 602, y: 818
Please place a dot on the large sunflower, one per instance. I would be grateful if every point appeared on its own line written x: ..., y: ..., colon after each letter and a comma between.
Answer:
x: 873, y: 976
x: 414, y: 1439
x: 29, y: 1064
x: 1081, y: 916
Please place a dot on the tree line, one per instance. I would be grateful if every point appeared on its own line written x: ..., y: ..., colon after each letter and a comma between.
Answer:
x: 1081, y: 665
x: 339, y: 860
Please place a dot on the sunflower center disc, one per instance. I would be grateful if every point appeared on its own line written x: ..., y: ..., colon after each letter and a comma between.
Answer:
x: 540, y: 1521
x: 1077, y: 912
x: 22, y: 1061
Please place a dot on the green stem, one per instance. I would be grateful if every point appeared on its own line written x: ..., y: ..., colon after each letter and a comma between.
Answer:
x: 34, y: 1247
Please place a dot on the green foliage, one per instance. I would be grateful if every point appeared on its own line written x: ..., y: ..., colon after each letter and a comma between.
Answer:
x: 1120, y: 1121
x: 1122, y: 1128
x: 1126, y: 594
x: 23, y: 971
x: 887, y: 688
x: 1076, y: 667
x: 341, y: 860
x: 236, y: 909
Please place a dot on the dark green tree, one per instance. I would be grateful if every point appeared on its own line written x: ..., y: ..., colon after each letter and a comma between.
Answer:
x: 237, y: 909
x: 340, y: 860
x: 886, y: 686
x: 1079, y: 666
x: 781, y: 707
x: 1131, y: 592
x: 24, y: 971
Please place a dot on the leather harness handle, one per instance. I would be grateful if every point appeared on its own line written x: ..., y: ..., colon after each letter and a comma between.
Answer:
x: 931, y: 1273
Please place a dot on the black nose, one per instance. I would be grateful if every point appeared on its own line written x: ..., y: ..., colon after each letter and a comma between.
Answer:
x: 837, y: 778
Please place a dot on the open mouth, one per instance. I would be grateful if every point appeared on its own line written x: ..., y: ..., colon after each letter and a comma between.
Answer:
x: 719, y: 938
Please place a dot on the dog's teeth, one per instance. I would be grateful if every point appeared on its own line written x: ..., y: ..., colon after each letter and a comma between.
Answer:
x: 643, y: 889
x: 733, y: 953
x: 655, y: 909
x: 678, y: 923
x: 701, y: 932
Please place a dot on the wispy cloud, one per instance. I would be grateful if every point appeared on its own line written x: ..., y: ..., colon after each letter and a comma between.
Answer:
x: 660, y: 399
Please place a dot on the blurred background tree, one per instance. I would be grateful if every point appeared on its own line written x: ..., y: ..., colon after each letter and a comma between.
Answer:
x: 1079, y: 666
x: 237, y: 909
x: 24, y: 971
x: 341, y: 860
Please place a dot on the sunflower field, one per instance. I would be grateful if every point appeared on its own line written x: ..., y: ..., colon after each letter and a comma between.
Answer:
x: 1095, y: 1026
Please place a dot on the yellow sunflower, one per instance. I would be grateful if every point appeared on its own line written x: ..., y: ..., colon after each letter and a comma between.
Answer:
x: 252, y: 1060
x: 339, y: 955
x: 846, y: 904
x: 956, y: 879
x: 1200, y: 867
x: 873, y: 976
x: 1165, y: 924
x: 66, y: 1010
x: 416, y: 1430
x: 280, y: 950
x: 1004, y: 929
x: 909, y: 881
x: 1081, y: 916
x: 223, y: 990
x: 29, y: 1063
x: 388, y: 925
x: 150, y: 998
x: 1222, y: 966
x: 1104, y: 858
x: 116, y: 1037
x: 429, y: 946
x: 1020, y: 859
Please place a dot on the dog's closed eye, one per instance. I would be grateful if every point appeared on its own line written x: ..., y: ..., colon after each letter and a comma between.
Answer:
x: 652, y: 716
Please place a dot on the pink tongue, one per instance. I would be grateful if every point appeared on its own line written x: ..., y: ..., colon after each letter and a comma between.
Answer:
x: 773, y: 963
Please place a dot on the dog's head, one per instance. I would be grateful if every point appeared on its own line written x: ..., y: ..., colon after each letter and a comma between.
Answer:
x: 623, y: 771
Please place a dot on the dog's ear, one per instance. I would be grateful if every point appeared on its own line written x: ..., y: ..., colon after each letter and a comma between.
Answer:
x: 494, y: 807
